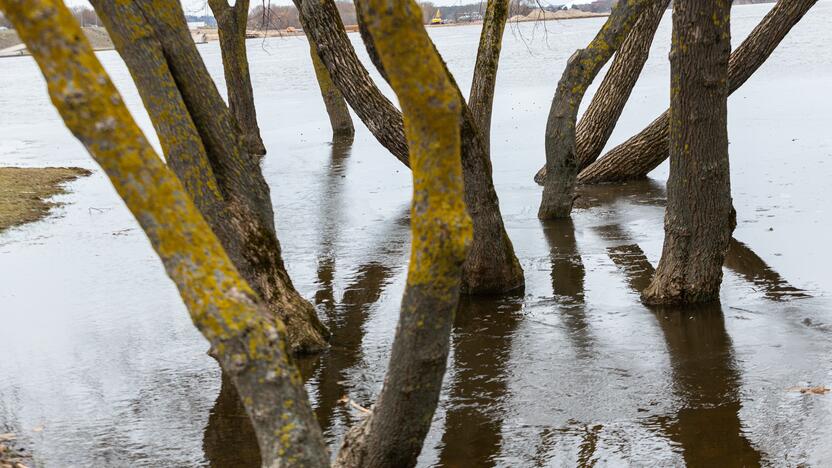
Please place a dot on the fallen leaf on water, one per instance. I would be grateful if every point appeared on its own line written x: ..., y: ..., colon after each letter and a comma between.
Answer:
x: 37, y: 429
x: 7, y: 436
x: 819, y: 390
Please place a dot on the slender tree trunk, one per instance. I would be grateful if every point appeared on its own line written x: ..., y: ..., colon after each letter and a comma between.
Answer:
x: 491, y: 266
x: 393, y: 434
x: 583, y: 66
x: 336, y: 107
x: 481, y: 99
x: 699, y: 217
x: 249, y: 345
x: 204, y: 148
x: 599, y: 119
x: 643, y: 152
x: 231, y: 25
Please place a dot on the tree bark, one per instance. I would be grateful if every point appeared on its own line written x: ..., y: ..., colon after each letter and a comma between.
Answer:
x: 643, y: 152
x: 583, y: 66
x: 481, y: 99
x: 491, y: 266
x: 336, y: 107
x: 599, y: 119
x: 699, y: 217
x: 231, y: 26
x: 204, y: 148
x: 250, y: 346
x: 393, y: 434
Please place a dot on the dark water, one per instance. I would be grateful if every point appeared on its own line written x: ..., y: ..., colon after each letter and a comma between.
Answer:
x: 100, y: 365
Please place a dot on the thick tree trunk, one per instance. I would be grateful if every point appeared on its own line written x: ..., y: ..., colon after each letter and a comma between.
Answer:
x: 643, y: 152
x: 394, y: 432
x: 336, y: 107
x: 583, y: 66
x: 699, y: 217
x: 249, y: 345
x: 481, y: 99
x: 231, y: 25
x: 203, y: 147
x: 491, y: 266
x: 599, y: 119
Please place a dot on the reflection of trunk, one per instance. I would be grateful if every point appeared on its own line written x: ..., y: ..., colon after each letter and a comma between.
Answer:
x: 643, y: 152
x: 599, y: 119
x: 483, y: 331
x: 699, y: 217
x: 231, y: 25
x: 393, y: 434
x: 202, y: 146
x: 707, y: 427
x: 229, y: 438
x: 336, y: 107
x: 249, y: 345
x: 754, y: 269
x: 491, y: 266
x: 481, y: 99
x: 562, y: 159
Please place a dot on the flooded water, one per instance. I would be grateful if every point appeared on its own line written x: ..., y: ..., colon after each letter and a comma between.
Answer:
x: 100, y: 365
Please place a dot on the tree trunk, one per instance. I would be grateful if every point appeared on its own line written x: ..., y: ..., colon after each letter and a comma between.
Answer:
x: 203, y: 147
x: 231, y: 26
x: 249, y: 345
x: 599, y: 119
x: 699, y: 217
x: 583, y: 66
x: 491, y: 266
x: 643, y: 152
x: 336, y: 107
x: 393, y: 434
x: 481, y: 99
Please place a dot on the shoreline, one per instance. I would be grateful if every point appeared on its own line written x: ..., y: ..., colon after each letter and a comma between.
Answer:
x: 25, y: 192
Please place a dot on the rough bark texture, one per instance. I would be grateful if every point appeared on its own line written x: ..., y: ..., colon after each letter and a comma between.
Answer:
x: 392, y: 435
x: 231, y: 26
x: 699, y: 217
x: 599, y: 119
x: 367, y: 39
x: 583, y: 66
x: 250, y: 346
x: 491, y: 266
x: 643, y: 152
x: 481, y: 99
x: 203, y: 147
x: 336, y: 107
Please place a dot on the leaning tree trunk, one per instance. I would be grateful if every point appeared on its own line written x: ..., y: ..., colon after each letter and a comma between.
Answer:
x: 231, y: 25
x: 491, y: 266
x: 249, y: 345
x: 204, y: 148
x: 393, y: 434
x: 336, y: 107
x: 699, y: 216
x: 583, y: 66
x: 599, y: 119
x: 481, y: 99
x: 643, y: 152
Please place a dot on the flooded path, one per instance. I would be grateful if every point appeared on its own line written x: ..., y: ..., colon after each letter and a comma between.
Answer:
x: 100, y: 365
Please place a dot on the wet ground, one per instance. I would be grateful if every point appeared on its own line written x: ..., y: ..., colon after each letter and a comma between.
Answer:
x: 100, y: 365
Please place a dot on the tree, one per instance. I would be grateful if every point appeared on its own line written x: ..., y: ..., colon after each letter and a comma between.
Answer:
x: 583, y: 66
x: 336, y: 107
x: 392, y: 435
x: 699, y: 217
x: 599, y: 119
x: 643, y: 152
x: 231, y: 25
x: 248, y: 342
x: 491, y: 266
x: 481, y: 99
x: 203, y: 146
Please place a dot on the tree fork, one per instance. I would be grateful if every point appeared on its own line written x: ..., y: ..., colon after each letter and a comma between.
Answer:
x: 583, y: 66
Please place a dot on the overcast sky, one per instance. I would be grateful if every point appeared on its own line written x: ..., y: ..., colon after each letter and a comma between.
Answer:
x: 199, y: 7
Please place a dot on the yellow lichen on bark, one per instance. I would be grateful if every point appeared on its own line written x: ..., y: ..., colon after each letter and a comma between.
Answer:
x: 432, y: 110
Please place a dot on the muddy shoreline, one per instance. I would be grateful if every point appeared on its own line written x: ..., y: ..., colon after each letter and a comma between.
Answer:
x: 25, y: 192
